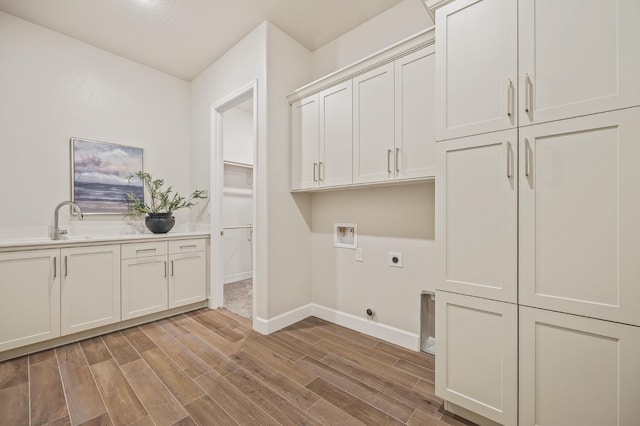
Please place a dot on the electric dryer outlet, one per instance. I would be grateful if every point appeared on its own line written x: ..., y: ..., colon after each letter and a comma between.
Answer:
x: 395, y: 259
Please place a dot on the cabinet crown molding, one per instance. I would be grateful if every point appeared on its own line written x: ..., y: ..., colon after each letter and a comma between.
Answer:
x: 433, y: 5
x: 402, y: 48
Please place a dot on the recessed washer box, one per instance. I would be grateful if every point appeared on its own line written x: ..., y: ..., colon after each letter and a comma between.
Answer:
x: 345, y: 235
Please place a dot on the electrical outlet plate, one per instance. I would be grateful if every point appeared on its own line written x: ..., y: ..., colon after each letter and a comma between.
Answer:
x: 395, y: 259
x: 359, y: 257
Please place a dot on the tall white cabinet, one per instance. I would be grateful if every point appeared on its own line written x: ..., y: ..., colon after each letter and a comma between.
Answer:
x: 537, y: 209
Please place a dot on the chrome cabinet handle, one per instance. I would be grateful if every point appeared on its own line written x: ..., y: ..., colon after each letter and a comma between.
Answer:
x: 528, y: 88
x: 66, y: 267
x: 165, y: 269
x: 396, y: 159
x: 55, y: 267
x: 526, y: 157
x: 315, y: 171
x: 388, y: 160
x: 509, y: 162
x: 172, y: 268
x: 509, y: 98
x: 320, y: 173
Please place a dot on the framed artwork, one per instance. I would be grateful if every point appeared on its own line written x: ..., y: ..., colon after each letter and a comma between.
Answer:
x: 100, y: 174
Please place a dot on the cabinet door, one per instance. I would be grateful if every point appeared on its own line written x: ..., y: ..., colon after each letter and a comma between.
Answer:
x: 476, y: 202
x: 579, y: 210
x: 336, y: 135
x: 90, y: 288
x: 415, y: 114
x: 144, y: 286
x: 477, y: 355
x: 305, y: 143
x: 373, y: 121
x: 188, y: 272
x: 577, y: 371
x: 476, y: 67
x: 577, y: 57
x: 29, y: 297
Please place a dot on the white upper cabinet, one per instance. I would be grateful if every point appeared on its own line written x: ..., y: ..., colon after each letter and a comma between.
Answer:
x: 373, y: 125
x: 415, y: 114
x: 336, y: 135
x: 477, y: 202
x: 29, y: 297
x: 577, y: 371
x: 90, y: 295
x: 579, y: 216
x: 305, y: 140
x: 577, y: 57
x: 476, y: 64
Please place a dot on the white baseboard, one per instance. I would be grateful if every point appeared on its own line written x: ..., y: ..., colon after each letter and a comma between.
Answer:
x: 281, y: 321
x: 384, y: 332
x: 240, y: 276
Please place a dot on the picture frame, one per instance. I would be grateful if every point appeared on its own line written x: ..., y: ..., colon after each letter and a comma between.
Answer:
x: 100, y: 175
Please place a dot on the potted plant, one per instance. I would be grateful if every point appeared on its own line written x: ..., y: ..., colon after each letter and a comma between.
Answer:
x: 162, y: 202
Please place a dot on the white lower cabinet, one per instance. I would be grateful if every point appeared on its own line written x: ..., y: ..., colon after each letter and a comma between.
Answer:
x: 188, y: 271
x: 577, y: 371
x: 29, y: 297
x: 162, y: 275
x: 144, y: 279
x: 477, y: 352
x: 90, y: 295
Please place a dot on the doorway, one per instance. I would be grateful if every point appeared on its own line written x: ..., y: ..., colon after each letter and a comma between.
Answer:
x: 234, y: 213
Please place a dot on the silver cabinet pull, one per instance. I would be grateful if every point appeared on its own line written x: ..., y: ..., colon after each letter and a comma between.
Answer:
x: 172, y: 268
x: 165, y: 269
x: 396, y: 159
x: 526, y: 157
x: 509, y: 162
x: 509, y: 98
x: 388, y: 160
x: 320, y: 171
x: 528, y: 88
x: 55, y: 267
x: 66, y: 267
x: 315, y: 171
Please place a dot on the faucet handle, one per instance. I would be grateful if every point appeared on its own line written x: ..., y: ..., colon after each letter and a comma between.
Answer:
x: 62, y: 231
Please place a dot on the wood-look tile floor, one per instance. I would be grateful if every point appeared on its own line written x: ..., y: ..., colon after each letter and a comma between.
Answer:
x: 208, y: 367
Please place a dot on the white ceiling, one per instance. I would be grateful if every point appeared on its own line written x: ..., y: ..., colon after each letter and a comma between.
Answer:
x: 183, y: 37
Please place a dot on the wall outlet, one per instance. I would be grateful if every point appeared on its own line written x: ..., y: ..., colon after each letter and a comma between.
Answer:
x: 395, y: 259
x: 359, y: 255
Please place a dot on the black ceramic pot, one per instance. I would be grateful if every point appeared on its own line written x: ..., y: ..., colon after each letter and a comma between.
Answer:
x: 159, y: 223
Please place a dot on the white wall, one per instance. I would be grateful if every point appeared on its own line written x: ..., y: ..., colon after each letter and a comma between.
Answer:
x: 389, y: 219
x: 393, y: 25
x: 289, y: 215
x: 52, y: 88
x: 242, y: 64
x: 279, y: 64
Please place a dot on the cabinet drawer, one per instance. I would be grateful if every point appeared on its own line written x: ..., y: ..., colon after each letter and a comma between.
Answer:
x: 187, y: 246
x: 135, y: 250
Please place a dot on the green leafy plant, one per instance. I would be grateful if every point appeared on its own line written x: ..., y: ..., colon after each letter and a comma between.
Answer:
x: 160, y: 200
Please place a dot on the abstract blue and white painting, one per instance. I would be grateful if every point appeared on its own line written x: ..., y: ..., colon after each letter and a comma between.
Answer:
x: 100, y: 175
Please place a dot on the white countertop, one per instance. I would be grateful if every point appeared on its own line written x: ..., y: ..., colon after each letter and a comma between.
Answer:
x: 10, y: 244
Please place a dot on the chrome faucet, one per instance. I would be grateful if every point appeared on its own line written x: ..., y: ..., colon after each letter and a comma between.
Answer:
x: 56, y: 231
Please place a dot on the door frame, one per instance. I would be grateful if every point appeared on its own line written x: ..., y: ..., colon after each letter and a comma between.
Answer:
x: 242, y: 94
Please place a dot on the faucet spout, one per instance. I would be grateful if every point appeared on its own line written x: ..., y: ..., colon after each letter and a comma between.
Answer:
x: 57, y: 232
